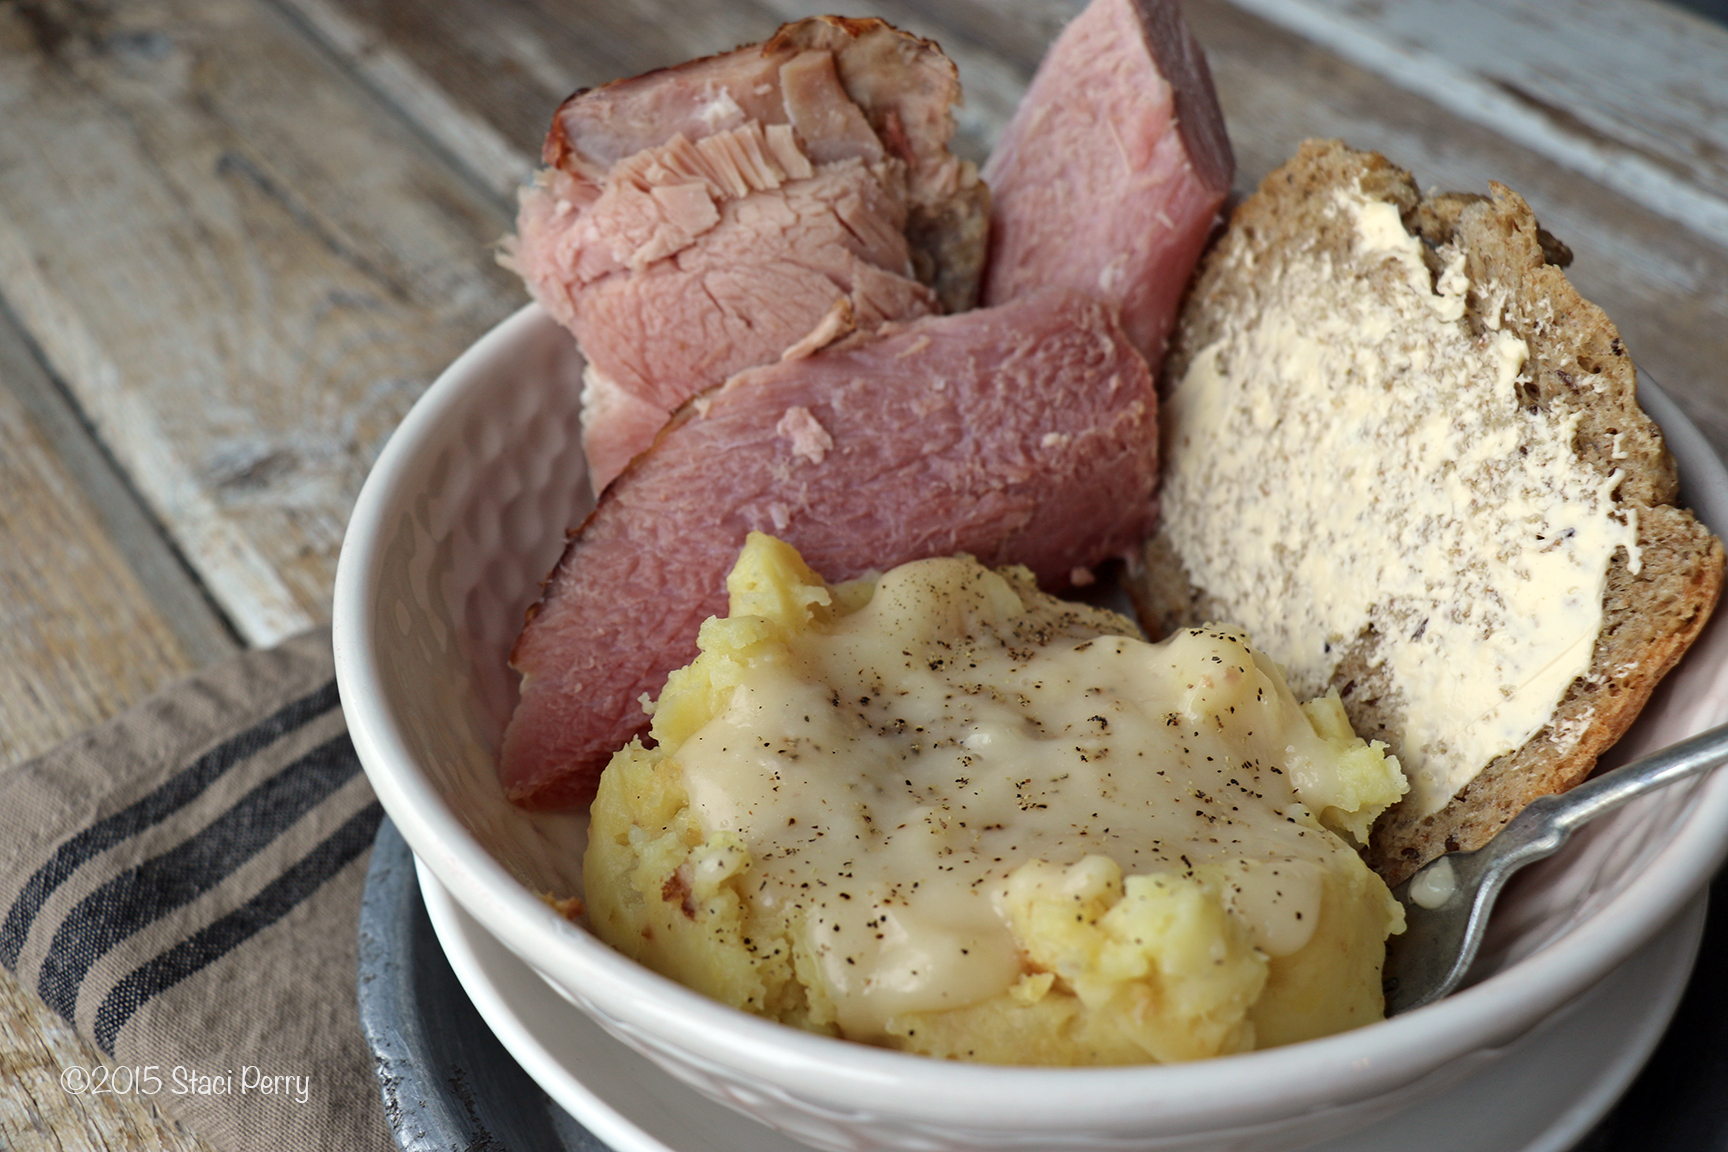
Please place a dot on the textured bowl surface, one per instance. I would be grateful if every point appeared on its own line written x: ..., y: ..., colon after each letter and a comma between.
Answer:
x: 464, y: 514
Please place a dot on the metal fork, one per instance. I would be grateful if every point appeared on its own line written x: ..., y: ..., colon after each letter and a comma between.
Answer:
x: 1446, y: 903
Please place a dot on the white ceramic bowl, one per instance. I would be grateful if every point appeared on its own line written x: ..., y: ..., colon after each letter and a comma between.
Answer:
x: 463, y: 515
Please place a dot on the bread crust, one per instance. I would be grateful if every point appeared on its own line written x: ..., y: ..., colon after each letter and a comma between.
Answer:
x: 1578, y: 361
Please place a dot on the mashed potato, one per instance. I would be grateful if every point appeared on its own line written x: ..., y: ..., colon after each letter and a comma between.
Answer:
x: 947, y: 813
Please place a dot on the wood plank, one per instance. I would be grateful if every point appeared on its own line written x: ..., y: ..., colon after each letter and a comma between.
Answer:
x: 495, y: 161
x: 201, y: 160
x: 80, y: 637
x: 1631, y: 93
x: 169, y: 586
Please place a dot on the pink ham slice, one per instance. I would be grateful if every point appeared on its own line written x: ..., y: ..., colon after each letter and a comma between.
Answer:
x: 763, y: 275
x: 1111, y: 173
x: 1022, y: 434
x: 703, y: 219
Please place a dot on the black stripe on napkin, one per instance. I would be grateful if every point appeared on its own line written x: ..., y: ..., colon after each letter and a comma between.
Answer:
x: 173, y: 794
x: 274, y: 901
x: 140, y: 895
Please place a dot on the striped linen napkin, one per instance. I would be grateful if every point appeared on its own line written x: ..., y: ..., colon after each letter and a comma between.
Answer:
x: 182, y: 885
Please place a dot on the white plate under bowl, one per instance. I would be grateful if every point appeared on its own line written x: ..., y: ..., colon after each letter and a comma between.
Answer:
x: 464, y: 514
x: 1552, y: 1086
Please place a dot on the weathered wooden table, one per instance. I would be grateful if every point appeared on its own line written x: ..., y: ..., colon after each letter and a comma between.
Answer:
x: 238, y: 237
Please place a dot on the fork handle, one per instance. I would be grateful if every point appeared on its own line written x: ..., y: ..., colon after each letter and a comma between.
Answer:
x: 1566, y: 811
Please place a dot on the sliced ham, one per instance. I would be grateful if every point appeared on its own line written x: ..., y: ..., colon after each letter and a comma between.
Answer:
x: 703, y: 219
x: 1022, y: 434
x: 1110, y: 175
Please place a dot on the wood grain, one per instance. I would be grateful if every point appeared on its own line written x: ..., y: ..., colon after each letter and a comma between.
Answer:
x: 80, y: 638
x: 243, y: 266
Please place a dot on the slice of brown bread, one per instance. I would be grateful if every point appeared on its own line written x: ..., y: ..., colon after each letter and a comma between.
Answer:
x: 1653, y: 607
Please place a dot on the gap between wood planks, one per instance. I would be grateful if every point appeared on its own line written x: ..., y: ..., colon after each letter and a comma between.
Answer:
x: 477, y: 150
x: 204, y: 632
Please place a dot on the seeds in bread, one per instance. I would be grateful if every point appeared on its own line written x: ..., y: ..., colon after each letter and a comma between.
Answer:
x: 1408, y: 457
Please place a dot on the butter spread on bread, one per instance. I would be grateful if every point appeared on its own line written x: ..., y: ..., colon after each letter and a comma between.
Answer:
x: 1406, y: 456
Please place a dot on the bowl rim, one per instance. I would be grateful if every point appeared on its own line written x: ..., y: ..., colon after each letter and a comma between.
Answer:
x: 1350, y: 1066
